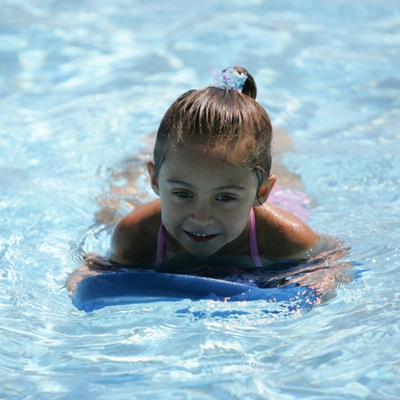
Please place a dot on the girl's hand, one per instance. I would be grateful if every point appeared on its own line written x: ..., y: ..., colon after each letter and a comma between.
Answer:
x: 100, y: 263
x: 94, y: 264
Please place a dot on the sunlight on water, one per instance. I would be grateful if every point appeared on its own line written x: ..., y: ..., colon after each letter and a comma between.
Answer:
x: 83, y: 86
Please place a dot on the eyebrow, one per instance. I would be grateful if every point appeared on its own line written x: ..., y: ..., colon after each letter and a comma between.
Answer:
x: 217, y: 189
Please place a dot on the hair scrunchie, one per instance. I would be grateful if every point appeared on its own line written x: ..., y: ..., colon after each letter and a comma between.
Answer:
x: 228, y: 79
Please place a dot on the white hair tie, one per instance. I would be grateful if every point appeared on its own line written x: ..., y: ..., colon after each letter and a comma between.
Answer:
x: 228, y: 79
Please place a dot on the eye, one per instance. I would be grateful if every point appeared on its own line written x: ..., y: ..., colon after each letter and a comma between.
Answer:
x: 183, y: 194
x: 225, y: 198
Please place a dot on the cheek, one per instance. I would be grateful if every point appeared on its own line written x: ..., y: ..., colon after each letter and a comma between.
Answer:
x: 235, y: 224
x: 170, y: 212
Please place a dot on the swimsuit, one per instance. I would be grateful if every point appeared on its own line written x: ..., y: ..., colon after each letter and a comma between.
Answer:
x: 252, y: 242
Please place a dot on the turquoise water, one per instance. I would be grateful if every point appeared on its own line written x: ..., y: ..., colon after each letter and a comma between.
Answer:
x: 82, y: 84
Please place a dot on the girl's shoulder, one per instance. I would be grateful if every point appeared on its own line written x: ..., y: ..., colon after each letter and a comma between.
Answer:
x: 281, y: 234
x: 134, y: 238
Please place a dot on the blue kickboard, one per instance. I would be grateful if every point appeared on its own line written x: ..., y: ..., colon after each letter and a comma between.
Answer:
x: 117, y: 288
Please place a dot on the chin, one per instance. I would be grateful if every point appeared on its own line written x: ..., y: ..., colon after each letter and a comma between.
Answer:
x: 202, y: 253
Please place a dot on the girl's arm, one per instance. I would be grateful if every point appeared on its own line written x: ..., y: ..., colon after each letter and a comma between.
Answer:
x: 282, y: 235
x: 93, y: 265
x: 134, y: 238
x: 133, y: 242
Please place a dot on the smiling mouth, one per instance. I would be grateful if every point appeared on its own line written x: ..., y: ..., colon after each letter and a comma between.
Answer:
x: 200, y: 237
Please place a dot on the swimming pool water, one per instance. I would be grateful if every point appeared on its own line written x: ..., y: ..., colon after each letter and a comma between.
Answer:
x: 83, y: 83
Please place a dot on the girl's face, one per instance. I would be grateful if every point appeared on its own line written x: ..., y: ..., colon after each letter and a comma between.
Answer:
x: 205, y: 201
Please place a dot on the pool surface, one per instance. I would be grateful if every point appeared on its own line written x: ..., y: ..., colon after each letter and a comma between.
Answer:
x: 83, y: 84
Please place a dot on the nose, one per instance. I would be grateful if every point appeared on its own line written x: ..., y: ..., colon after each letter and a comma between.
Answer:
x: 201, y: 214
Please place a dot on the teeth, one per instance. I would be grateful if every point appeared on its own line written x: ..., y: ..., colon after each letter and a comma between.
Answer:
x: 199, y: 234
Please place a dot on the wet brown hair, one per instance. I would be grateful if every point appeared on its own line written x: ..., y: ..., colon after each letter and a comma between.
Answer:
x: 219, y: 122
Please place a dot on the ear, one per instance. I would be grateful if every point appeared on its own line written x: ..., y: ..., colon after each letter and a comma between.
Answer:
x: 153, y: 177
x: 265, y: 190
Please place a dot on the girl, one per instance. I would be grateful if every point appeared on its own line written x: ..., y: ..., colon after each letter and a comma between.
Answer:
x: 211, y: 171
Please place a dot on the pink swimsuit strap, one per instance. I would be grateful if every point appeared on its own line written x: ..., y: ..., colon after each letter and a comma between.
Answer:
x: 160, y: 246
x: 252, y: 242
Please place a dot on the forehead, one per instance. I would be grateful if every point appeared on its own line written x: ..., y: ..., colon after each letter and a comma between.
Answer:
x: 193, y: 163
x: 229, y: 151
